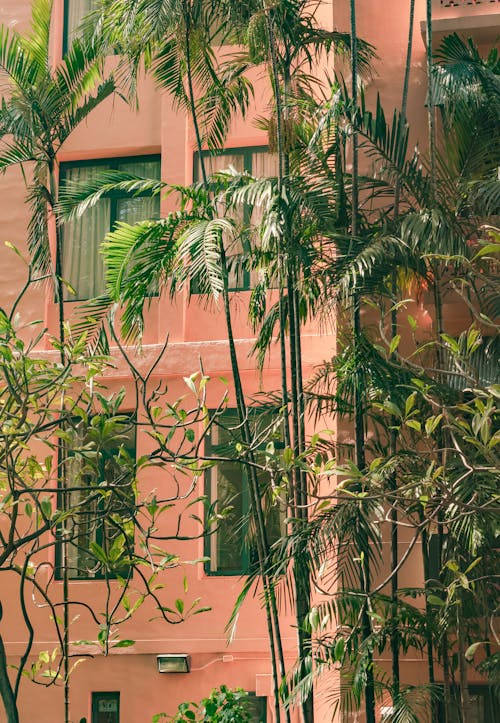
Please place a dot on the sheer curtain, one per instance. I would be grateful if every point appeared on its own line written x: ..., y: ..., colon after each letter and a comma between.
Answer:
x: 82, y: 264
x: 264, y: 165
x: 77, y: 10
x: 234, y: 250
x: 142, y: 208
x: 261, y: 164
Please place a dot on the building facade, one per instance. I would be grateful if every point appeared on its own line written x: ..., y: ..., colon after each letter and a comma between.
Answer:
x: 156, y: 140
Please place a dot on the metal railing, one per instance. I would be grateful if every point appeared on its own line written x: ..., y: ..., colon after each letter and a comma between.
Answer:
x: 463, y: 3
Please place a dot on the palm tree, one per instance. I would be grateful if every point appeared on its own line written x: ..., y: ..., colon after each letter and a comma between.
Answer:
x: 43, y: 103
x: 183, y: 60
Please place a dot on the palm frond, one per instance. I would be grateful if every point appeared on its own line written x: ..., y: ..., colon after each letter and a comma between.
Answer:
x: 36, y: 42
x: 139, y: 259
x: 76, y: 197
x: 20, y: 71
x: 200, y: 253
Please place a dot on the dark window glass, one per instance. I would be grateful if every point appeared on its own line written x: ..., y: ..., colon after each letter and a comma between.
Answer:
x: 479, y: 367
x: 230, y: 547
x: 258, y: 708
x: 105, y: 707
x: 98, y: 474
x: 482, y: 705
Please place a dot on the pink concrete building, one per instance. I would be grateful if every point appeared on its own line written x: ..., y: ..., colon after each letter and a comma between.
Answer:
x: 126, y: 686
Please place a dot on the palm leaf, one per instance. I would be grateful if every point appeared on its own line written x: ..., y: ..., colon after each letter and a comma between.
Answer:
x: 37, y: 42
x: 76, y: 197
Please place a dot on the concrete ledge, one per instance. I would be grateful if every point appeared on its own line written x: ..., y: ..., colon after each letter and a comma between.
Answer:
x: 482, y: 28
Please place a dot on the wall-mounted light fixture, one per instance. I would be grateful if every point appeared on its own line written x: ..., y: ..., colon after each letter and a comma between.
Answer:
x: 173, y: 663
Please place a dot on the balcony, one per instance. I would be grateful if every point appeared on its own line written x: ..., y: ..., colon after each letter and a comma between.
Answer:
x: 463, y: 3
x: 479, y: 19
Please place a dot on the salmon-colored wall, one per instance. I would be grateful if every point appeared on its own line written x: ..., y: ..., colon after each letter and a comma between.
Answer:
x: 195, y: 332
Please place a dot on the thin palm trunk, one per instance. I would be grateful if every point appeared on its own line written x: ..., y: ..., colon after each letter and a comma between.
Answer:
x: 429, y: 629
x: 395, y: 636
x: 435, y: 265
x: 64, y: 492
x: 463, y: 665
x: 272, y: 618
x: 359, y: 420
x: 296, y: 435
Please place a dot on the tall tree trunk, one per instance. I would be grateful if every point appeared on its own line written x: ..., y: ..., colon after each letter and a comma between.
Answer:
x: 65, y: 560
x: 395, y: 636
x: 296, y: 435
x: 272, y: 618
x: 429, y: 628
x: 463, y: 665
x: 6, y: 690
x: 431, y: 122
x: 359, y: 421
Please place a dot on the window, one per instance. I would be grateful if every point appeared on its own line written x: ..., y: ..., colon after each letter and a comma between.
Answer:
x: 105, y: 707
x: 481, y: 705
x: 97, y: 460
x: 229, y: 547
x: 481, y: 366
x: 82, y: 263
x: 257, y: 705
x: 258, y: 162
x: 74, y: 12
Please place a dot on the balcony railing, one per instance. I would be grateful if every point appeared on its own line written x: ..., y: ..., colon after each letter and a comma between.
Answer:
x: 463, y: 3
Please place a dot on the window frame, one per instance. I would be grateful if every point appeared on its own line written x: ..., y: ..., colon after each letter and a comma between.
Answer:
x: 113, y: 163
x: 247, y: 153
x: 66, y: 28
x: 100, y: 574
x: 245, y: 556
x: 103, y: 695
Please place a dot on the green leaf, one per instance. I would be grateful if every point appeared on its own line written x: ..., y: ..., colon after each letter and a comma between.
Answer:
x: 432, y: 423
x: 414, y: 424
x: 98, y: 552
x: 189, y: 381
x: 394, y: 343
x: 435, y: 600
x: 124, y: 644
x: 338, y: 653
x: 471, y: 650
